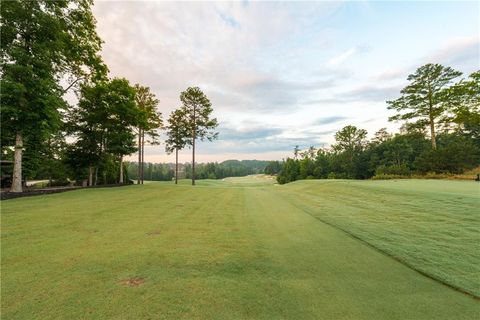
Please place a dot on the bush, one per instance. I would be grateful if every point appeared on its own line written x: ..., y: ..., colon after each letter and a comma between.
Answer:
x: 331, y: 175
x: 389, y: 177
x: 400, y: 170
x: 432, y: 175
x: 281, y: 179
x: 63, y: 182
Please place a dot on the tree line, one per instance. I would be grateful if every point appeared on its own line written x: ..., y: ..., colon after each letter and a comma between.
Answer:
x: 210, y: 170
x: 50, y: 48
x: 440, y: 134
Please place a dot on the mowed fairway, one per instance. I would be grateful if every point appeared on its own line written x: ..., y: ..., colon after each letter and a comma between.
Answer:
x: 243, y: 249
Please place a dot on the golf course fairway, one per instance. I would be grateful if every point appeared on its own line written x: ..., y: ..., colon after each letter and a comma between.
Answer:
x: 245, y: 248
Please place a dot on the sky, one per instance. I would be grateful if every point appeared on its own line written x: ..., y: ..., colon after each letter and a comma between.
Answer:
x: 281, y: 74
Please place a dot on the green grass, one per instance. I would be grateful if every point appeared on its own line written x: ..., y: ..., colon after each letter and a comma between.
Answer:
x: 431, y: 225
x: 239, y: 249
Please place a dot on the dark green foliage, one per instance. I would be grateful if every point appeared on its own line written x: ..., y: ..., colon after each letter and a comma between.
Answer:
x: 177, y: 131
x: 399, y: 155
x: 211, y: 170
x: 455, y: 154
x: 396, y: 169
x: 463, y: 108
x: 426, y: 98
x: 152, y: 172
x: 103, y: 125
x: 273, y: 167
x: 228, y: 168
x: 42, y: 43
x: 290, y: 171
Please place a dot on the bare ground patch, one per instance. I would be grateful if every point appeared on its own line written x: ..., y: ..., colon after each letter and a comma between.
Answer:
x: 133, y: 282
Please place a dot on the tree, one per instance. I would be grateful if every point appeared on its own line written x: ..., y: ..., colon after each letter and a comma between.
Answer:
x: 149, y: 123
x: 464, y: 106
x: 273, y: 167
x: 455, y: 154
x: 350, y: 139
x: 381, y: 136
x: 425, y: 98
x: 42, y: 42
x: 296, y: 151
x: 103, y: 124
x: 198, y: 109
x: 290, y: 171
x: 350, y: 142
x: 122, y: 116
x: 177, y: 133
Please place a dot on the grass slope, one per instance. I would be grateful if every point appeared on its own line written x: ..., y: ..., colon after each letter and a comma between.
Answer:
x: 432, y: 225
x: 221, y: 250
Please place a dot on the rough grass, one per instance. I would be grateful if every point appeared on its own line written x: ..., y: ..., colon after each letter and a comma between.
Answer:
x: 220, y: 250
x: 431, y: 225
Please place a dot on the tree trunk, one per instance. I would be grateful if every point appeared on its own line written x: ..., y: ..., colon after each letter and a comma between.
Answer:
x: 176, y: 166
x: 432, y: 133
x: 430, y: 116
x: 139, y: 154
x: 193, y: 145
x: 90, y: 176
x: 143, y: 155
x: 17, y: 164
x: 96, y: 176
x: 121, y: 169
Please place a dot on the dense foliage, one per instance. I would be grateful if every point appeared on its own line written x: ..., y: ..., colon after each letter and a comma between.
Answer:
x: 229, y: 168
x: 48, y: 43
x: 43, y: 42
x: 151, y: 171
x: 402, y: 154
x: 211, y: 170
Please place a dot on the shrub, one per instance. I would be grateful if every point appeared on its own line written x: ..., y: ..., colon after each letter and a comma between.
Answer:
x: 331, y: 175
x: 400, y: 170
x: 389, y: 177
x: 281, y: 179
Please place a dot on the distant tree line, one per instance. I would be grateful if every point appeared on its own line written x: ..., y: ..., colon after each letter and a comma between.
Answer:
x: 211, y: 170
x: 46, y: 44
x: 440, y: 134
x: 151, y: 171
x: 229, y: 168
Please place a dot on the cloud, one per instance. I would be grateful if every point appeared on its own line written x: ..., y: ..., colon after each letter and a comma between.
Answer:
x: 221, y: 47
x: 344, y: 56
x: 369, y: 93
x: 247, y: 134
x: 360, y: 94
x: 329, y: 120
x: 229, y: 20
x: 278, y: 73
x: 463, y: 52
x: 392, y: 74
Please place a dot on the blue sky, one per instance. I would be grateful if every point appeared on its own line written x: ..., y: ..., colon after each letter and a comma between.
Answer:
x: 283, y: 73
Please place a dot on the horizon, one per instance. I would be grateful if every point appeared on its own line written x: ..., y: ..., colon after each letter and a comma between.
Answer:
x: 294, y: 79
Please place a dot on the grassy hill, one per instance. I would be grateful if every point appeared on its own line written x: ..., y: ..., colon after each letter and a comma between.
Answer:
x: 244, y: 248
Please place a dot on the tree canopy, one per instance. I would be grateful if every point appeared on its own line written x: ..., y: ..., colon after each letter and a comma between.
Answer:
x: 198, y: 109
x: 426, y: 98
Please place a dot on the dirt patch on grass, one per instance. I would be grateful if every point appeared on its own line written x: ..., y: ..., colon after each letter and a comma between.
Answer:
x: 153, y: 233
x: 133, y: 282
